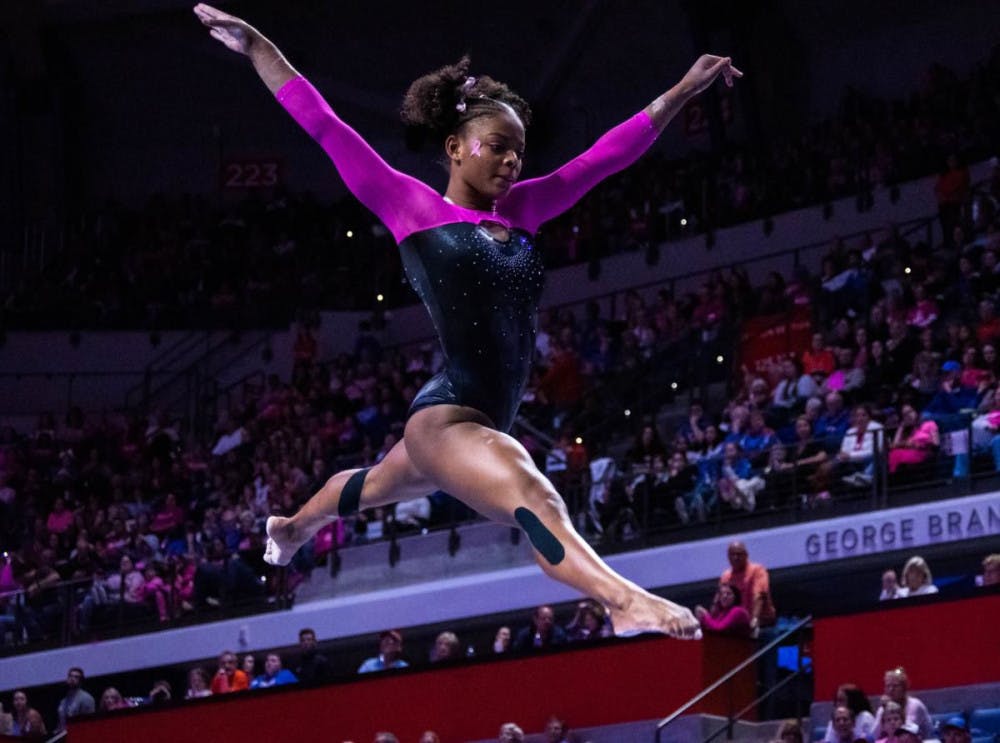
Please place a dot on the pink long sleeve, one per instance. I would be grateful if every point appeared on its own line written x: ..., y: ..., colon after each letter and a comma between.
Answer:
x: 403, y: 203
x: 532, y: 202
x: 736, y: 621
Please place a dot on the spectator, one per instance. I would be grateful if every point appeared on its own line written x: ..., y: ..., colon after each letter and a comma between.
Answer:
x: 6, y: 722
x: 917, y: 580
x: 890, y: 586
x: 674, y: 489
x: 841, y: 727
x: 229, y: 678
x: 446, y: 647
x: 247, y: 665
x: 34, y: 726
x: 385, y: 737
x: 726, y: 615
x: 543, y: 632
x: 753, y: 583
x: 112, y: 699
x: 956, y: 730
x: 129, y: 585
x: 197, y: 684
x: 501, y: 643
x: 557, y: 731
x: 915, y: 441
x: 792, y: 468
x: 169, y: 517
x: 790, y: 732
x: 589, y: 623
x: 991, y: 570
x: 390, y: 651
x: 818, y: 358
x: 737, y: 484
x: 757, y: 440
x: 510, y: 733
x: 161, y: 693
x: 858, y: 449
x: 791, y: 391
x: 77, y: 701
x: 897, y: 685
x: 833, y: 422
x: 313, y: 667
x: 430, y: 736
x: 908, y: 732
x: 645, y: 448
x: 274, y: 674
x: 847, y: 378
x: 891, y: 718
x: 21, y: 714
x: 156, y: 591
x: 60, y: 518
x: 951, y: 398
x: 852, y: 698
x: 693, y: 427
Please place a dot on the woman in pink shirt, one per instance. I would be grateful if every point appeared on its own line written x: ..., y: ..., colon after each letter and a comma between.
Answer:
x: 60, y: 519
x: 726, y: 615
x: 915, y: 442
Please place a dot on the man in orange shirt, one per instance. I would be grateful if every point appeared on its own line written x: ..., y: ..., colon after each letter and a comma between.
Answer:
x: 818, y: 358
x: 229, y: 678
x: 754, y: 584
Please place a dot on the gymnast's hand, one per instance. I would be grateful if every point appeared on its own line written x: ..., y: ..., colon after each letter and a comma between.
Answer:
x: 234, y: 33
x: 704, y: 72
x: 240, y: 36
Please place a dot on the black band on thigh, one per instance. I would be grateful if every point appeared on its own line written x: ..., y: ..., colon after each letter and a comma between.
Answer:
x: 350, y: 496
x: 541, y: 538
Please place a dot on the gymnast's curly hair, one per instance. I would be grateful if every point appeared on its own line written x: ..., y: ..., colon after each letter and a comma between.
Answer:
x: 432, y: 102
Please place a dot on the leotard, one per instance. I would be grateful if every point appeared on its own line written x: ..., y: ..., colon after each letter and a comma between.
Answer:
x: 482, y: 293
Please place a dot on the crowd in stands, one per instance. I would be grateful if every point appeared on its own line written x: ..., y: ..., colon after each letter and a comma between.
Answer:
x: 902, y: 367
x: 184, y: 262
x: 899, y: 717
x: 743, y: 606
x: 235, y: 673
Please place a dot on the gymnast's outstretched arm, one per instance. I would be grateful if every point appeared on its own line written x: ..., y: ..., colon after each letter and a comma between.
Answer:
x: 534, y: 201
x: 400, y: 201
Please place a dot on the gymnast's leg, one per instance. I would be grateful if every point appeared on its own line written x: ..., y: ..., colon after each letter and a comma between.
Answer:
x: 391, y: 480
x: 491, y: 472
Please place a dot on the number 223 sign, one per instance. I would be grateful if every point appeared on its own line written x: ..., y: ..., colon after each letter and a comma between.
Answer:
x: 251, y: 172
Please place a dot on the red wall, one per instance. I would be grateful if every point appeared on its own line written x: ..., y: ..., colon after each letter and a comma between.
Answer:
x: 620, y: 682
x: 949, y: 643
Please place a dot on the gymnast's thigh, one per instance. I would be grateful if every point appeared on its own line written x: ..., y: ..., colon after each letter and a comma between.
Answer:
x: 396, y: 478
x: 456, y: 448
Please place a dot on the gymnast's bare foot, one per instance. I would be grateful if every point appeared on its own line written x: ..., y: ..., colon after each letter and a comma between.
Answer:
x: 281, y: 543
x: 644, y: 612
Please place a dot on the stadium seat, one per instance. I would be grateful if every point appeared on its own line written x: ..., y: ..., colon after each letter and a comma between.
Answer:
x: 986, y: 720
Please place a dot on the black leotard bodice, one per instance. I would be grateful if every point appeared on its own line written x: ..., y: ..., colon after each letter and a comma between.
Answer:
x: 482, y: 294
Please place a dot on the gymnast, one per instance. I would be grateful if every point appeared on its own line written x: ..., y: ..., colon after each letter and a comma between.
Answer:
x: 471, y: 258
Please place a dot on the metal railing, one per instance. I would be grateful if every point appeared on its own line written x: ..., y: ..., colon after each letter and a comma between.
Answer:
x: 735, y: 715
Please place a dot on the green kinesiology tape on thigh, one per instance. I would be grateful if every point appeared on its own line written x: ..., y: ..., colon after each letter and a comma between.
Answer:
x: 350, y: 496
x: 543, y: 540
